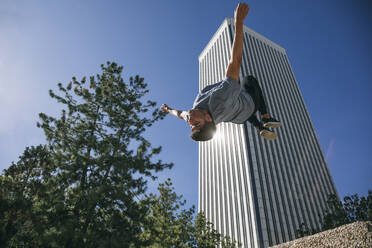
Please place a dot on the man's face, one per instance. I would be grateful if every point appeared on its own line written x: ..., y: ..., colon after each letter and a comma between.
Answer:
x: 197, y: 119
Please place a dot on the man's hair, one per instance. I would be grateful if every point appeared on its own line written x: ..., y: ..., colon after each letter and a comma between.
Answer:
x: 205, y: 133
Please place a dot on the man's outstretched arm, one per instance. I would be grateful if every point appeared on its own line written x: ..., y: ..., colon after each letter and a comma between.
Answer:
x: 233, y: 68
x: 178, y: 113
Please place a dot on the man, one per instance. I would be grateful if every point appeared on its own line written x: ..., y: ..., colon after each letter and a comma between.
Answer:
x: 228, y: 101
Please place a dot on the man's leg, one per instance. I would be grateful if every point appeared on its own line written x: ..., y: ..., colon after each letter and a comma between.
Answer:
x: 264, y: 132
x: 251, y: 85
x: 254, y: 121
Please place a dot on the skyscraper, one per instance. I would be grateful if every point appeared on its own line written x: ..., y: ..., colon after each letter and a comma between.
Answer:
x: 256, y: 191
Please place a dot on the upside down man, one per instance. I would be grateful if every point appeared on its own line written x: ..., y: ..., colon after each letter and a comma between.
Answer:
x: 229, y: 100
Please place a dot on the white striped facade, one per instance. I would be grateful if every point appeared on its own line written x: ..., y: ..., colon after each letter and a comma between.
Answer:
x: 256, y: 191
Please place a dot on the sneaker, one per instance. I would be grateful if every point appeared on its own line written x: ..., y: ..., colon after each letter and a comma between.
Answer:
x: 271, y: 122
x: 267, y: 134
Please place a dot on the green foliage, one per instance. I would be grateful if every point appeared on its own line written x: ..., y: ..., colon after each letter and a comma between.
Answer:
x: 338, y: 213
x: 169, y: 225
x: 82, y: 188
x: 87, y: 186
x: 21, y: 186
x: 207, y: 237
x: 304, y: 231
x: 351, y: 210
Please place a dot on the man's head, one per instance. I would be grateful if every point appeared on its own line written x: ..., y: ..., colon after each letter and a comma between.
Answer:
x: 201, y: 124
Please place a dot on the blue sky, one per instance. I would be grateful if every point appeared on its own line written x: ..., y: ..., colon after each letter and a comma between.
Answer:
x: 327, y: 42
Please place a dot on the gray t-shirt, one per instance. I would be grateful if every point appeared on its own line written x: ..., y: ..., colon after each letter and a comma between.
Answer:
x: 226, y: 102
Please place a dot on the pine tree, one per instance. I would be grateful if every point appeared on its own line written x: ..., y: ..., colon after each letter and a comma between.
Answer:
x: 352, y: 209
x: 167, y: 223
x: 82, y: 188
x: 170, y: 225
x: 339, y: 213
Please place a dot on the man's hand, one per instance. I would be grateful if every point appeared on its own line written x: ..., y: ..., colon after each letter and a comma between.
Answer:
x: 165, y: 108
x: 178, y: 113
x: 241, y: 12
